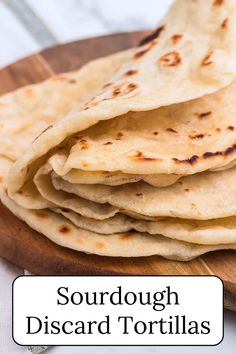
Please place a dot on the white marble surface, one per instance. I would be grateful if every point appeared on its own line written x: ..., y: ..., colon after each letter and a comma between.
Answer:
x: 66, y: 20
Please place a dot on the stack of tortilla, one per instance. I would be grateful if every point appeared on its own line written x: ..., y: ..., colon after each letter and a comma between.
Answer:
x: 134, y: 154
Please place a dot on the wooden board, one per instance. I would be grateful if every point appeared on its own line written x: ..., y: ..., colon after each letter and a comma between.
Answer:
x: 30, y: 250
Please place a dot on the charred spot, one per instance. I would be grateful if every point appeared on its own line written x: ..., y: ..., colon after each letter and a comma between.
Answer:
x: 65, y: 210
x: 116, y: 92
x: 119, y: 136
x: 154, y: 35
x: 176, y: 38
x: 171, y: 59
x: 141, y: 157
x: 83, y: 144
x: 140, y: 54
x: 225, y: 23
x: 203, y: 115
x: 131, y: 72
x: 171, y: 130
x: 20, y: 192
x: 231, y: 128
x: 197, y: 136
x: 186, y: 190
x: 41, y: 215
x: 72, y: 81
x: 131, y: 87
x: 64, y: 229
x: 100, y: 245
x: 218, y: 2
x: 230, y: 150
x: 139, y: 194
x: 208, y: 155
x: 156, y: 133
x: 190, y: 161
x: 207, y: 60
x: 108, y: 143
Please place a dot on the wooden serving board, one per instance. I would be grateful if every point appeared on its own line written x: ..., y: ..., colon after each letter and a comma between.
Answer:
x: 26, y: 248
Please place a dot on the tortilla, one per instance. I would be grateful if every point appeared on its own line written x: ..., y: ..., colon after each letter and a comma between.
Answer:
x: 158, y: 120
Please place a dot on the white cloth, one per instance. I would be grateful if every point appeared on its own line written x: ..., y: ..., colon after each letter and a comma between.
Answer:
x: 8, y: 273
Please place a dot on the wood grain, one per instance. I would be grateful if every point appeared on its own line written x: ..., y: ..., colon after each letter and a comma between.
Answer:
x: 30, y: 250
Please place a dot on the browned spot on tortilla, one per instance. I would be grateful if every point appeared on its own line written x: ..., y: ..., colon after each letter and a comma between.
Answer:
x: 207, y: 59
x: 218, y: 2
x: 83, y: 144
x: 203, y: 115
x: 141, y: 157
x: 197, y: 136
x: 65, y: 210
x: 119, y: 136
x: 59, y: 77
x: 171, y: 130
x: 108, y: 143
x: 231, y: 128
x: 193, y: 205
x: 218, y: 130
x: 116, y: 91
x: 230, y: 150
x: 190, y: 161
x: 1, y: 179
x: 186, y: 190
x: 109, y: 84
x: 139, y: 194
x: 29, y: 92
x: 176, y: 38
x: 225, y: 23
x: 207, y: 155
x: 127, y: 236
x: 64, y: 229
x: 78, y: 240
x: 131, y: 72
x: 155, y: 34
x: 100, y: 245
x: 141, y: 53
x: 20, y: 192
x: 131, y: 87
x: 85, y: 164
x: 41, y: 214
x: 72, y: 81
x: 171, y: 59
x: 156, y: 133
